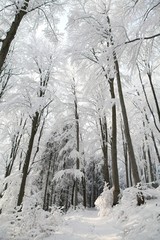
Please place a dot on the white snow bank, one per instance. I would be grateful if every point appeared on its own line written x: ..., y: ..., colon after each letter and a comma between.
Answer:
x: 104, y: 201
x: 137, y: 222
x: 126, y: 221
x: 32, y: 223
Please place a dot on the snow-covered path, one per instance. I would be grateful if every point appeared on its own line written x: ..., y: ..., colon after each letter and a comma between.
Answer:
x: 84, y: 225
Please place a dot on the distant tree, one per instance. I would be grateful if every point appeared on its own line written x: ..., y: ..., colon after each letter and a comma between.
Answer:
x: 57, y: 170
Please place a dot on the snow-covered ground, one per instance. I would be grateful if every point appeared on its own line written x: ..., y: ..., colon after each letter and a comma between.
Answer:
x: 86, y: 224
x: 126, y: 221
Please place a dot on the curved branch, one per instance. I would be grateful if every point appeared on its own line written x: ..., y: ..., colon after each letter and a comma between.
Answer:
x: 142, y: 38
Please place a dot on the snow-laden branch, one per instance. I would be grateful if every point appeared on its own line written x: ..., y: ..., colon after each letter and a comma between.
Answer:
x: 142, y: 38
x: 75, y: 173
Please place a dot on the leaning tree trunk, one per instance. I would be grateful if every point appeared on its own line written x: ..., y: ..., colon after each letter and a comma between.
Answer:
x: 11, y: 33
x: 115, y: 175
x: 147, y: 101
x: 35, y: 124
x: 126, y: 125
x: 155, y: 146
x: 124, y: 112
x: 149, y: 74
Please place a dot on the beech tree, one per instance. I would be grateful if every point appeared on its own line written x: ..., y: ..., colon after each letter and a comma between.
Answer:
x: 88, y: 135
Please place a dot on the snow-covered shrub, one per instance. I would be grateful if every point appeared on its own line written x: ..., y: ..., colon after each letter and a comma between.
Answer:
x: 139, y: 222
x: 37, y: 223
x: 105, y: 201
x: 9, y: 189
x: 31, y: 223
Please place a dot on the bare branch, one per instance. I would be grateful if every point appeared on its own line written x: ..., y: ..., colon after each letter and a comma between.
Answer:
x: 10, y: 5
x: 142, y: 38
x: 149, y: 10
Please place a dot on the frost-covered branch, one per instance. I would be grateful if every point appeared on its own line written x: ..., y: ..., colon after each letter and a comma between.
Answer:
x: 142, y: 38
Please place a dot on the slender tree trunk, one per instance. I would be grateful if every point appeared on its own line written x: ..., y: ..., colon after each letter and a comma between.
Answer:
x: 147, y: 101
x: 154, y: 94
x: 125, y: 156
x: 153, y: 138
x: 93, y: 185
x: 124, y: 112
x: 155, y: 146
x: 45, y: 202
x: 84, y: 192
x: 126, y: 125
x: 149, y: 156
x: 145, y: 169
x: 73, y: 193
x: 77, y: 144
x: 35, y: 124
x: 104, y: 137
x: 115, y: 176
x: 130, y: 173
x: 15, y: 146
x: 150, y: 165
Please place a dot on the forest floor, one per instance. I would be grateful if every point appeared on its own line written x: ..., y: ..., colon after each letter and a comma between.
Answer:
x: 86, y: 224
x: 125, y: 221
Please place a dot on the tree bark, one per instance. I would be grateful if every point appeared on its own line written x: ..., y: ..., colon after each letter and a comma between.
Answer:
x: 11, y: 33
x: 124, y: 112
x: 126, y: 125
x: 149, y: 155
x: 77, y: 143
x: 115, y: 176
x: 35, y: 124
x: 154, y: 94
x: 104, y: 137
x: 45, y: 201
x: 125, y: 156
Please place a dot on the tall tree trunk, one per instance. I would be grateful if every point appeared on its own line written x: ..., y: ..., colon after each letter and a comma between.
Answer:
x: 145, y: 169
x: 155, y: 146
x: 115, y: 176
x: 93, y: 185
x: 149, y: 155
x: 45, y: 201
x: 150, y: 165
x: 124, y: 112
x: 77, y: 143
x: 153, y: 137
x: 11, y: 33
x: 84, y: 192
x: 104, y: 137
x: 154, y: 93
x: 34, y: 127
x: 126, y: 125
x: 125, y: 156
x: 130, y: 173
